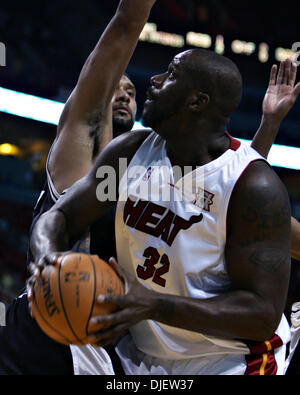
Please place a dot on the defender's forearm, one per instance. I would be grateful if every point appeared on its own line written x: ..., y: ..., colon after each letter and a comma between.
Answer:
x: 266, y: 135
x: 295, y: 239
x: 49, y: 235
x: 108, y: 61
x: 136, y: 10
x: 121, y: 35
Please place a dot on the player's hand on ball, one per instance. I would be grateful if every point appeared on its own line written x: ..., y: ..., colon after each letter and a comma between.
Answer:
x: 136, y: 305
x: 36, y: 269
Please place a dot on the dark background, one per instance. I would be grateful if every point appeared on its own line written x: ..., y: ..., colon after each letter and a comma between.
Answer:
x: 47, y: 44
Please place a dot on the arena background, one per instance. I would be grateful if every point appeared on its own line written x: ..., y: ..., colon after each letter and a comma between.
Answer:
x: 46, y: 45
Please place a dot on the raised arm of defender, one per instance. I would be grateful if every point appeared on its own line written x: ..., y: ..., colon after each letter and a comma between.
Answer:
x: 295, y: 239
x: 106, y: 64
x: 280, y: 98
x: 87, y: 113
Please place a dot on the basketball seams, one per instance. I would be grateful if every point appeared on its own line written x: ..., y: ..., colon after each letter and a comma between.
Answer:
x: 36, y: 307
x: 62, y: 302
x: 94, y: 295
x: 74, y: 322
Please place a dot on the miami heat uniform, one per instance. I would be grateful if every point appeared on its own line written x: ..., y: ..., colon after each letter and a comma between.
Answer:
x: 171, y: 235
x: 24, y: 348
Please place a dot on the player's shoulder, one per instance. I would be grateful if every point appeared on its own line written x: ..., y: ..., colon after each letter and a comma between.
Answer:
x: 259, y: 174
x: 124, y: 146
x: 259, y: 185
x: 129, y: 142
x: 133, y: 137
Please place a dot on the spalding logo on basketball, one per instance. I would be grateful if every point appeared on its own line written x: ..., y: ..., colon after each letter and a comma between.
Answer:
x: 65, y: 300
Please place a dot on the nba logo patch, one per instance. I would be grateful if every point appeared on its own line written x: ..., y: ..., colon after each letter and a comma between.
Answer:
x: 148, y: 174
x: 204, y: 200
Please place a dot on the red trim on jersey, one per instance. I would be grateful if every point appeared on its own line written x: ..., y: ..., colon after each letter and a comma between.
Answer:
x: 234, y: 144
x: 261, y: 361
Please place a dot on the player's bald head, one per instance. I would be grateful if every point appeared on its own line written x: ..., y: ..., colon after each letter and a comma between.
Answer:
x: 215, y: 75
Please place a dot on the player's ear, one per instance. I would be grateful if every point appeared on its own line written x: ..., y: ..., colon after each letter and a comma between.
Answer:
x: 198, y: 101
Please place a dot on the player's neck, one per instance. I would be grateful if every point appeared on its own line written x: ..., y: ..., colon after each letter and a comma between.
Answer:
x: 197, y: 147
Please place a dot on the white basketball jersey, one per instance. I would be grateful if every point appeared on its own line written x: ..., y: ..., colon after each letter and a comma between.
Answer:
x: 171, y: 235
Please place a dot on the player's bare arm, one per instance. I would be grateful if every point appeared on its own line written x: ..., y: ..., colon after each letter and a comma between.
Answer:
x: 258, y: 262
x: 79, y: 207
x: 87, y: 115
x: 280, y: 97
x: 279, y: 100
x: 295, y: 239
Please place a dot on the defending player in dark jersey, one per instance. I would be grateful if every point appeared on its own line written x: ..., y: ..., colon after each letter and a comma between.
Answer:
x: 102, y: 96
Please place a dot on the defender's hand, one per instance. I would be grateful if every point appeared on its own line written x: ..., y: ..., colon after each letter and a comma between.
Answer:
x: 36, y: 270
x: 282, y: 92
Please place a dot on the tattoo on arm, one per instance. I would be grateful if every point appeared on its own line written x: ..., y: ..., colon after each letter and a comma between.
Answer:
x: 94, y: 123
x: 267, y: 220
x: 269, y: 259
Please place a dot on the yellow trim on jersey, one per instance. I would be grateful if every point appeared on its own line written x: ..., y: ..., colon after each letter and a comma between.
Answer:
x: 265, y: 359
x: 264, y: 364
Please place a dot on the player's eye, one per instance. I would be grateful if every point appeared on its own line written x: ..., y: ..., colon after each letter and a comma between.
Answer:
x: 171, y: 73
x: 131, y: 93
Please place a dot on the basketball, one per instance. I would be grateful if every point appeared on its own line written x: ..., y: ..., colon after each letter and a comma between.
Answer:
x: 64, y: 301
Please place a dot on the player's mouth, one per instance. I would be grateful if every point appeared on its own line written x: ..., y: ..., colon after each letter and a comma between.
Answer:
x: 122, y: 110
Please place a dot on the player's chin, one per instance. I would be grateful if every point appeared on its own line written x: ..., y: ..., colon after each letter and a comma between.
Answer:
x: 125, y: 116
x: 147, y: 119
x: 122, y: 125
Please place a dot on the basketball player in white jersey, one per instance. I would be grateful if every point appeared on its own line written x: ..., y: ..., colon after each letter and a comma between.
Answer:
x: 207, y: 277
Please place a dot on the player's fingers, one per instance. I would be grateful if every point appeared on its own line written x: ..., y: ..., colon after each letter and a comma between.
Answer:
x: 273, y: 75
x: 33, y: 270
x: 124, y: 276
x: 108, y: 319
x: 293, y: 74
x: 30, y: 282
x: 46, y: 260
x: 114, y: 264
x: 105, y: 338
x: 280, y: 74
x: 287, y: 71
x: 119, y: 300
x: 30, y: 308
x: 29, y: 287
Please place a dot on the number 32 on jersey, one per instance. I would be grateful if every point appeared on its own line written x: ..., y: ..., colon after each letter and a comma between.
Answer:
x: 150, y: 269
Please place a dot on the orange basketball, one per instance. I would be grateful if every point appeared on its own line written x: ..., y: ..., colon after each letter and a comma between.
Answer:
x: 65, y: 300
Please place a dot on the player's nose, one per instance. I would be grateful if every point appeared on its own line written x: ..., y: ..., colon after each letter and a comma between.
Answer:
x: 122, y: 95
